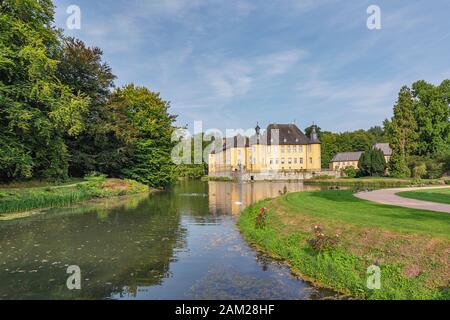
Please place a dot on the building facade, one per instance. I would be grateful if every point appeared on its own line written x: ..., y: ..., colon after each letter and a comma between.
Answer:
x: 351, y: 159
x: 281, y: 147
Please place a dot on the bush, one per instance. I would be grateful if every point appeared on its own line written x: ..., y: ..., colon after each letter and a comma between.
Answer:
x: 350, y: 172
x: 321, y: 241
x: 419, y: 171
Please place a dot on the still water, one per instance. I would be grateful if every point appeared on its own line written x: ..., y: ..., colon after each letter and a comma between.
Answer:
x: 180, y: 244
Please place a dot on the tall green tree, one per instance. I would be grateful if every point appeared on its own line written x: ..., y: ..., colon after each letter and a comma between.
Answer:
x: 402, y: 133
x: 372, y: 163
x: 149, y: 116
x: 36, y: 110
x: 102, y: 146
x: 432, y: 112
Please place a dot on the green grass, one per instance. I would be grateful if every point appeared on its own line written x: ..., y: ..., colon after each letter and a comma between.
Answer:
x: 433, y: 195
x: 363, y: 226
x: 372, y: 182
x: 342, y: 206
x: 13, y: 200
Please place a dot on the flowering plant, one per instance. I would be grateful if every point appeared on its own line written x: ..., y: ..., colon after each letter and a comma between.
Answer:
x: 261, y: 218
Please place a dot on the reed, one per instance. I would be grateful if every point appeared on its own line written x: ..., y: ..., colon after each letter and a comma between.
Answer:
x: 26, y: 199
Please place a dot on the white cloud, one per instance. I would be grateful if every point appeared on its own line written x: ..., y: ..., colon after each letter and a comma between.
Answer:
x: 231, y: 80
x: 281, y: 62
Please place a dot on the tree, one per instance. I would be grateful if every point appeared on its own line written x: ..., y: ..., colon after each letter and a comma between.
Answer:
x: 148, y: 115
x: 378, y: 162
x: 372, y: 163
x: 402, y: 133
x: 102, y: 146
x: 432, y: 112
x: 377, y: 134
x: 37, y: 111
x: 364, y: 165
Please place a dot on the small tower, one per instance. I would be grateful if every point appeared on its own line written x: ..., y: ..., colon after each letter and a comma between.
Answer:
x: 258, y: 129
x: 258, y: 133
x: 314, y: 137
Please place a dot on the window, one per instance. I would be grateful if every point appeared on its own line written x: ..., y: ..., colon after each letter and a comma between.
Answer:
x: 309, y: 148
x: 282, y: 149
x: 310, y: 160
x: 271, y: 161
x: 282, y: 160
x: 276, y: 161
x: 295, y: 160
x: 300, y: 149
x: 290, y: 161
x: 301, y: 160
x: 288, y: 149
x: 294, y: 149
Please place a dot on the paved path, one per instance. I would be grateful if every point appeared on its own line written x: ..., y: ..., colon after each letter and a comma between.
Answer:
x: 388, y: 196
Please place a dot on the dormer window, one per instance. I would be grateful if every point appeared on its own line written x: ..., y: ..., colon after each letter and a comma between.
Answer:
x: 285, y: 140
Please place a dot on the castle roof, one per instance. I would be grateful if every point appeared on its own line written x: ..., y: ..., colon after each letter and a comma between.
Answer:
x: 283, y: 134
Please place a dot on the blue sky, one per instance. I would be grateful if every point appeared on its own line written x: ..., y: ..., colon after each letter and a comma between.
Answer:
x: 231, y: 63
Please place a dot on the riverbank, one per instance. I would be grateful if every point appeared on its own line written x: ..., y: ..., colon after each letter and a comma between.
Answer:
x: 373, y: 182
x: 20, y: 199
x: 434, y: 195
x: 410, y: 246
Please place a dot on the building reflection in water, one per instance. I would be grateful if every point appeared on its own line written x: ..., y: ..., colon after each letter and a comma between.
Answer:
x: 227, y: 197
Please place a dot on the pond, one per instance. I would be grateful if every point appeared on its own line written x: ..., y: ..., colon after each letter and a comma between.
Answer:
x: 179, y: 244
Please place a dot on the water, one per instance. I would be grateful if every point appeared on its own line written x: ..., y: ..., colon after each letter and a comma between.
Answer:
x: 181, y: 244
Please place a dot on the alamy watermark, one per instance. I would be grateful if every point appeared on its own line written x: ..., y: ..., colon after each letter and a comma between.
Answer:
x: 74, y: 280
x: 374, y: 19
x: 73, y: 22
x: 373, y: 278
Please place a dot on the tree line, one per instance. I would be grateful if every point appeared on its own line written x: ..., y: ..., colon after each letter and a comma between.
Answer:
x: 418, y: 133
x: 60, y: 113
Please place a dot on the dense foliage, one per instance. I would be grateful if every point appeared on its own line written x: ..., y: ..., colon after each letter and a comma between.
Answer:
x: 37, y: 110
x: 58, y: 115
x: 419, y: 131
x: 372, y: 163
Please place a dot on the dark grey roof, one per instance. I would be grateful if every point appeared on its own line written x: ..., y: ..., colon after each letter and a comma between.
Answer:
x: 385, y: 147
x: 347, y: 156
x: 288, y: 134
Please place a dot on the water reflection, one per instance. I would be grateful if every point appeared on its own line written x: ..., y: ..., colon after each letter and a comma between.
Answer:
x: 181, y: 244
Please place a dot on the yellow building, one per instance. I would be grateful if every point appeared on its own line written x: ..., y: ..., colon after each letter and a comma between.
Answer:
x: 281, y: 147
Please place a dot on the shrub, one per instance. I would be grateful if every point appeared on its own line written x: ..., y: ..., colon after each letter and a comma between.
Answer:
x: 419, y: 171
x: 321, y: 241
x: 350, y: 172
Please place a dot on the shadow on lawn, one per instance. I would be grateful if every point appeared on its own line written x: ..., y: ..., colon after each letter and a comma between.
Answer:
x: 336, y: 195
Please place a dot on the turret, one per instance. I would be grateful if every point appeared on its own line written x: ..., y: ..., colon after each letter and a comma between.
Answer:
x: 314, y: 137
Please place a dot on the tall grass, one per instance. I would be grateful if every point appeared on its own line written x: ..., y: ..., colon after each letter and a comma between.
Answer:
x: 20, y: 200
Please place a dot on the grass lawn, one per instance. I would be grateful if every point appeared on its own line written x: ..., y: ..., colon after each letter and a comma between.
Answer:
x: 20, y: 199
x: 433, y: 195
x: 412, y: 247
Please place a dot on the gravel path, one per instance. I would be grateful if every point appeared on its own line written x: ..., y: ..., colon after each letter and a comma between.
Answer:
x: 389, y: 196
